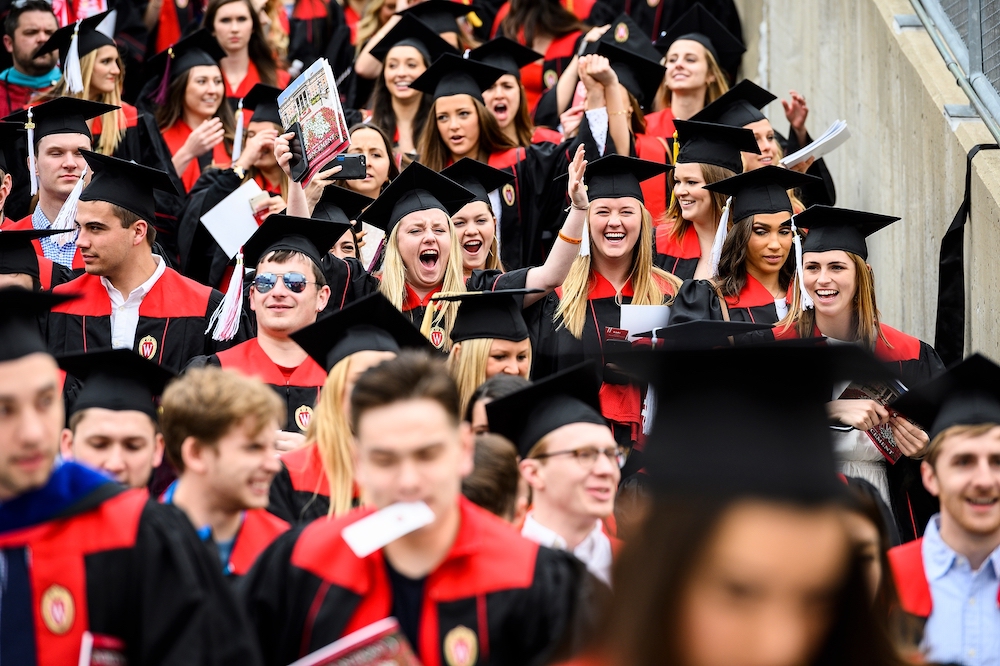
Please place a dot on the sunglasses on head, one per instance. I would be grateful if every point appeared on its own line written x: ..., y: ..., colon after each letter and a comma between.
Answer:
x: 294, y: 282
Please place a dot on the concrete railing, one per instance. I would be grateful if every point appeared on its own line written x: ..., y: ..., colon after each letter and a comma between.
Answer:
x: 870, y: 63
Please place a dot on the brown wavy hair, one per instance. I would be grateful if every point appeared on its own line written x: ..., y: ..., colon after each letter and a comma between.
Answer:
x: 732, y: 273
x: 436, y: 155
x: 260, y: 51
x: 173, y: 110
x: 547, y: 17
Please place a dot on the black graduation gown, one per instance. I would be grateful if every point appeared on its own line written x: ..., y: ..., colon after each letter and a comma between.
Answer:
x: 109, y: 561
x: 299, y: 392
x: 698, y: 299
x: 513, y: 600
x: 678, y: 258
x: 300, y: 492
x: 173, y: 318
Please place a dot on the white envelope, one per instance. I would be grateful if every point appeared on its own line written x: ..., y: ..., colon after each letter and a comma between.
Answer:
x: 381, y: 528
x: 641, y: 318
x: 231, y: 221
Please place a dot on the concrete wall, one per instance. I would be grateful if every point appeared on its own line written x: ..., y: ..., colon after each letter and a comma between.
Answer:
x: 905, y: 157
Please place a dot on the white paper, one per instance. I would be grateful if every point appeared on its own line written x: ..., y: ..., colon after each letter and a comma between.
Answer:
x: 834, y: 136
x: 378, y: 530
x: 374, y: 239
x: 643, y: 318
x: 232, y: 222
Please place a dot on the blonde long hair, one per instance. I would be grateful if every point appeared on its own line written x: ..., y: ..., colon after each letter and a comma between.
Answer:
x: 572, y: 311
x: 713, y: 91
x: 467, y: 366
x: 113, y: 123
x: 867, y: 319
x: 711, y: 174
x: 393, y: 284
x: 368, y: 24
x: 330, y: 430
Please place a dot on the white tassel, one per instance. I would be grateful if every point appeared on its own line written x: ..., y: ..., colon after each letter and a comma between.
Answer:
x: 720, y: 238
x: 238, y: 138
x: 30, y: 126
x: 807, y: 301
x: 649, y: 407
x: 66, y: 219
x: 71, y: 68
x: 226, y: 318
x: 585, y: 238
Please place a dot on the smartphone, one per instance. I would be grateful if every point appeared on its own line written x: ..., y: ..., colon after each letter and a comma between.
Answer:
x: 298, y: 166
x: 354, y: 166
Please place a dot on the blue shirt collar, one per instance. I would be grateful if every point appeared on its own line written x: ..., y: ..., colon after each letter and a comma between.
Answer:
x: 938, y: 556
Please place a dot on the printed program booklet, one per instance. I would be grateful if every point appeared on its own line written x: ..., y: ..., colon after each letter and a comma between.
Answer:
x: 835, y: 135
x: 882, y: 393
x: 381, y: 643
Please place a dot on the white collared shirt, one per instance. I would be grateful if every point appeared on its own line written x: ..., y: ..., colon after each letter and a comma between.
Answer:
x: 125, y: 311
x: 594, y: 550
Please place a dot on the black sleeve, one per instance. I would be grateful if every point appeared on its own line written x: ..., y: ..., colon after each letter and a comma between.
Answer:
x: 817, y: 193
x: 696, y: 300
x: 281, y: 497
x: 184, y: 613
x: 203, y: 362
x: 201, y: 257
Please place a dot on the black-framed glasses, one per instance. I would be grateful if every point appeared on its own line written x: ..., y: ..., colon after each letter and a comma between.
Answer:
x: 587, y: 455
x: 294, y: 282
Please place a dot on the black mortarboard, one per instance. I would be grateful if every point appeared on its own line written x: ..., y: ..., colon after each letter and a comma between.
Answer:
x: 116, y: 379
x: 62, y: 115
x: 440, y: 15
x: 699, y: 333
x: 453, y: 75
x: 313, y: 238
x: 697, y: 24
x: 477, y: 177
x: 525, y: 417
x: 768, y: 437
x: 127, y: 184
x: 19, y: 312
x: 369, y: 324
x: 738, y: 107
x: 617, y: 176
x: 262, y: 100
x: 763, y: 190
x: 17, y: 252
x: 711, y: 143
x: 489, y: 314
x: 641, y: 76
x: 967, y: 394
x: 505, y: 54
x: 340, y: 204
x: 11, y: 148
x: 89, y: 38
x: 410, y: 31
x: 416, y: 188
x: 839, y: 229
x: 200, y: 48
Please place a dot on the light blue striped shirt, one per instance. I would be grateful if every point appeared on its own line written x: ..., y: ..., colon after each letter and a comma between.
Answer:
x: 53, y: 251
x: 964, y: 626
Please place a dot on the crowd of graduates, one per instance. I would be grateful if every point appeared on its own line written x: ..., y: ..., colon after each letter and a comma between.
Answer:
x: 421, y: 392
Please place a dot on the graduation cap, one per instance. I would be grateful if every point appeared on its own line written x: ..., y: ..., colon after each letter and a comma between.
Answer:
x: 967, y: 394
x: 125, y: 183
x: 439, y: 15
x: 73, y: 41
x: 198, y: 49
x: 10, y: 138
x: 625, y: 33
x: 489, y: 314
x: 477, y: 177
x: 62, y: 115
x: 410, y: 31
x: 116, y: 379
x: 697, y: 334
x: 763, y: 190
x: 697, y: 24
x: 340, y: 204
x: 738, y: 107
x: 617, y: 176
x: 313, y: 238
x: 840, y: 229
x: 17, y: 252
x: 641, y: 76
x: 19, y: 312
x: 505, y: 54
x: 416, y: 188
x: 767, y: 438
x: 711, y: 143
x: 369, y: 324
x: 453, y: 75
x: 525, y: 417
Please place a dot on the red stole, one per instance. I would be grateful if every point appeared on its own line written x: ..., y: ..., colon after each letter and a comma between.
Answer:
x: 176, y: 135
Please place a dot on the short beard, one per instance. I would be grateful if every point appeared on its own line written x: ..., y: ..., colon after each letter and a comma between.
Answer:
x: 33, y: 67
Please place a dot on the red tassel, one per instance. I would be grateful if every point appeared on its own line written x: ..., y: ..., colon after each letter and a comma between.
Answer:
x: 160, y: 95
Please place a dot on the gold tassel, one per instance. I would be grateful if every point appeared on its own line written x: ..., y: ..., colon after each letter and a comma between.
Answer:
x: 676, y: 151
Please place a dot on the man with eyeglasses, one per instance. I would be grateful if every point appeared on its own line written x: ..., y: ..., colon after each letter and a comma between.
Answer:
x: 571, y: 461
x: 130, y: 298
x: 288, y: 292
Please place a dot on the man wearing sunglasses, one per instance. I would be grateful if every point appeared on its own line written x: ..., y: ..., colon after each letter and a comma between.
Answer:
x: 570, y: 459
x: 130, y: 298
x: 288, y: 292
